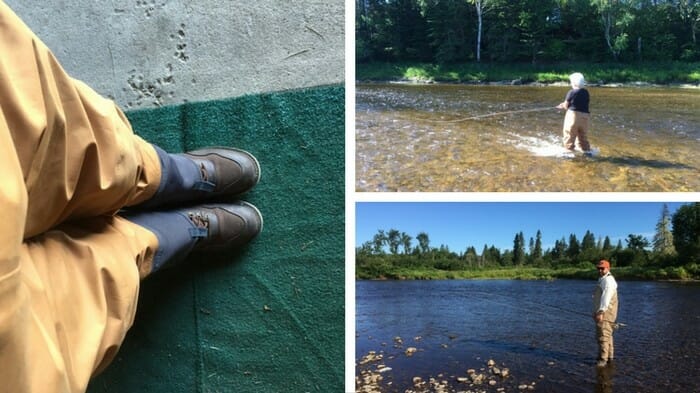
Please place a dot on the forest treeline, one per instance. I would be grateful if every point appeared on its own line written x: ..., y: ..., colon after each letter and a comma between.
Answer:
x: 672, y: 253
x: 497, y: 31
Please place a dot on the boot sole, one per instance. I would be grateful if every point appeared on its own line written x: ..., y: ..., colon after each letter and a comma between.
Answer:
x: 257, y: 211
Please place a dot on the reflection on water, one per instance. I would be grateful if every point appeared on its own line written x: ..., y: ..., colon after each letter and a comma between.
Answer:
x: 540, y: 330
x: 426, y: 138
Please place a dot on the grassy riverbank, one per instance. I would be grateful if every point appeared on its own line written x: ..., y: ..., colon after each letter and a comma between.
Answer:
x: 688, y: 272
x: 609, y: 73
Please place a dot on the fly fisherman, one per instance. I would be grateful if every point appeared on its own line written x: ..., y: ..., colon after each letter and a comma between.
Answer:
x: 605, y: 312
x: 577, y: 117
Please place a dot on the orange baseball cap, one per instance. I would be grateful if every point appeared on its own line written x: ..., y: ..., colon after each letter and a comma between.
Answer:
x: 604, y: 263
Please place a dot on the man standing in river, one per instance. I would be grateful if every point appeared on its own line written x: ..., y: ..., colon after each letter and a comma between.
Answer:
x: 577, y: 117
x: 605, y: 312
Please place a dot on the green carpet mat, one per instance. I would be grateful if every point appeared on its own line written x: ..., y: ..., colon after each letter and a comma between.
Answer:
x: 270, y: 317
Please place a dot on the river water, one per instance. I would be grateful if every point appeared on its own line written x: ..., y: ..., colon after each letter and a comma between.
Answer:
x: 539, y: 330
x: 418, y: 137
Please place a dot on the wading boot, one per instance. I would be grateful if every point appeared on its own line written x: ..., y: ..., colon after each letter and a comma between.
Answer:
x: 210, y: 227
x: 203, y: 174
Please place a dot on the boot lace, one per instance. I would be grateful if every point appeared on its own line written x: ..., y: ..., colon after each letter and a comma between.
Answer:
x: 201, y: 224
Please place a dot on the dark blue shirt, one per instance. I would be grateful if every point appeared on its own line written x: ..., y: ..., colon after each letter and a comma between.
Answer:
x: 578, y: 100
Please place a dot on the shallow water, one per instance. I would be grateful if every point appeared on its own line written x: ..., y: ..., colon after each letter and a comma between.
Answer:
x: 540, y: 330
x: 423, y: 138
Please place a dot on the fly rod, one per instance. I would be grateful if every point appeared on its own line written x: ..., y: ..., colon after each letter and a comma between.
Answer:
x: 617, y: 325
x: 493, y: 114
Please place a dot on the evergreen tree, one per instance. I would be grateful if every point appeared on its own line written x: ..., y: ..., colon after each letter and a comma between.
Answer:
x: 449, y: 30
x: 607, y: 244
x: 686, y: 233
x: 519, y: 249
x: 485, y: 258
x: 559, y: 250
x: 537, y: 251
x: 574, y: 248
x: 470, y: 257
x: 589, y: 251
x: 663, y: 238
x: 588, y: 242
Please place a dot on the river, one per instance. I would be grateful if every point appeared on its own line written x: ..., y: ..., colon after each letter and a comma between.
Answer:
x: 539, y: 330
x: 419, y: 137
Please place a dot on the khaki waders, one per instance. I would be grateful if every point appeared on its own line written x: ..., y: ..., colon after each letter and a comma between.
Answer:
x: 576, y: 126
x: 604, y: 330
x: 69, y: 269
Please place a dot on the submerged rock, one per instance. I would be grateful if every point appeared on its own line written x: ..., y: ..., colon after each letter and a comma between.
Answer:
x: 477, y: 379
x: 372, y: 356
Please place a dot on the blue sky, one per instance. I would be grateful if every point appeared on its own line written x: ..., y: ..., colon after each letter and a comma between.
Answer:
x: 462, y: 224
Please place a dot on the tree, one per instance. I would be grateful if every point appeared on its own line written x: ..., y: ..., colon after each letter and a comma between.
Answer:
x: 574, y: 248
x: 448, y: 30
x: 663, y: 238
x: 637, y: 242
x: 534, y: 23
x: 686, y: 233
x: 365, y: 249
x: 589, y: 251
x: 485, y: 257
x: 537, y: 251
x: 490, y: 256
x: 409, y: 39
x: 559, y: 250
x: 481, y: 6
x: 615, y: 16
x: 394, y: 240
x: 607, y: 245
x: 588, y: 242
x: 689, y: 13
x: 405, y: 240
x: 423, y: 242
x: 636, y: 253
x: 519, y: 249
x: 378, y: 241
x: 470, y: 257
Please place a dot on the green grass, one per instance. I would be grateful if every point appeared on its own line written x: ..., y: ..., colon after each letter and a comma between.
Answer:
x: 655, y: 73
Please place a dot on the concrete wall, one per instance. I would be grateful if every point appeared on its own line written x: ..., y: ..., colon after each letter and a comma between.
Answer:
x: 143, y: 53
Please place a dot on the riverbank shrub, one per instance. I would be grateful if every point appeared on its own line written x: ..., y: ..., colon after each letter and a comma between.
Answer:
x: 383, y: 271
x: 601, y: 73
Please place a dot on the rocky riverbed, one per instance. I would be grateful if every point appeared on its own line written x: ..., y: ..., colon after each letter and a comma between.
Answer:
x: 374, y: 374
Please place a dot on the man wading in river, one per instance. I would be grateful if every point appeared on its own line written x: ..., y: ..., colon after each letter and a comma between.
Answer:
x: 605, y: 312
x: 577, y: 116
